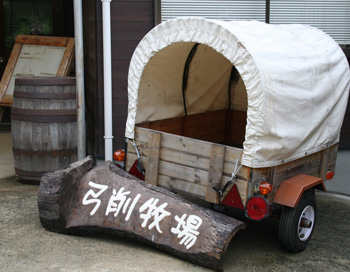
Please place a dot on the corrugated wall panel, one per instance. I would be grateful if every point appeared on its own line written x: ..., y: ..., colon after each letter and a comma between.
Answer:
x: 223, y: 10
x: 333, y: 17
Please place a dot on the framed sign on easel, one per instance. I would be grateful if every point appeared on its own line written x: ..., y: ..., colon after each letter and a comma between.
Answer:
x: 41, y: 56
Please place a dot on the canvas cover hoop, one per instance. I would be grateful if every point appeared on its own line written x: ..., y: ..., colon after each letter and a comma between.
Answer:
x: 296, y: 79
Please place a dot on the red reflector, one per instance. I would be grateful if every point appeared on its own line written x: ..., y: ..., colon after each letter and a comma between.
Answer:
x: 329, y: 175
x: 135, y: 170
x: 257, y: 208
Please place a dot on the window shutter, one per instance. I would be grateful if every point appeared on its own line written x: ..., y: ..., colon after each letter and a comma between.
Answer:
x: 333, y: 17
x: 223, y: 10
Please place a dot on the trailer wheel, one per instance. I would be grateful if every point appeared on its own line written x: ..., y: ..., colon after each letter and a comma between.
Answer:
x: 297, y: 224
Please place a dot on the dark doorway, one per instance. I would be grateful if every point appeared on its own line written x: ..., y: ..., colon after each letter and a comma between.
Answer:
x: 33, y: 17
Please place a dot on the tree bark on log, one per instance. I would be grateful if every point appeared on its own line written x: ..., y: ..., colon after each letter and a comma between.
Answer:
x: 81, y: 199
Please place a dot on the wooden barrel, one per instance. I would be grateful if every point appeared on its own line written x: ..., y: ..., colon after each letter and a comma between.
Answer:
x: 43, y: 126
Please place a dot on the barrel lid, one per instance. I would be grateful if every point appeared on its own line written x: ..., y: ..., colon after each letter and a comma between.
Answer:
x: 44, y: 81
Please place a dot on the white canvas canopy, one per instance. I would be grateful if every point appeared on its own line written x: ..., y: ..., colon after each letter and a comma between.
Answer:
x: 294, y: 82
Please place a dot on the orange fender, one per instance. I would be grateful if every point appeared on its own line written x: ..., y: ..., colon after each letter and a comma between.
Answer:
x: 291, y: 190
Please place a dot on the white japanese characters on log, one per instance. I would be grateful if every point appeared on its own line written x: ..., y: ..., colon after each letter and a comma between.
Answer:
x: 82, y: 199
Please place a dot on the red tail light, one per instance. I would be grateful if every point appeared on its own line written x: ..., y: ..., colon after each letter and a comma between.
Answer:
x: 265, y: 188
x: 329, y: 175
x: 257, y: 208
x: 119, y: 155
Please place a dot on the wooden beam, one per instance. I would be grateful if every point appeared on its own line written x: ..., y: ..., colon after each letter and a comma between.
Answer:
x: 10, y: 67
x: 324, y: 163
x: 43, y: 40
x: 67, y: 59
x: 216, y: 166
x: 153, y: 158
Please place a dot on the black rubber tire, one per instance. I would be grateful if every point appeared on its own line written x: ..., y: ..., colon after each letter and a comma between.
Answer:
x: 289, y: 223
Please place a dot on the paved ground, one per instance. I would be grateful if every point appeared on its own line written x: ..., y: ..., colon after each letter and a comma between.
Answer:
x: 26, y: 246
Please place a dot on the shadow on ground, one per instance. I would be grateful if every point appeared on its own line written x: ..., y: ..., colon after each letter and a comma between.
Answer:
x: 26, y: 246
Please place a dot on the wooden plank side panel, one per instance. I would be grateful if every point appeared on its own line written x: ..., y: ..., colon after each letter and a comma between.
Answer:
x: 311, y: 167
x: 211, y: 132
x: 193, y: 153
x: 296, y: 164
x: 184, y: 164
x: 192, y: 175
x: 313, y: 164
x: 205, y: 118
x: 187, y: 145
x: 172, y: 125
x: 187, y: 181
x: 182, y: 186
x: 208, y: 126
x: 188, y: 174
x: 201, y: 162
x: 316, y: 165
x: 179, y: 143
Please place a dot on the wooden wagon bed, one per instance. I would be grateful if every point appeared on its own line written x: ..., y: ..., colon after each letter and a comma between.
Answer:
x: 191, y: 155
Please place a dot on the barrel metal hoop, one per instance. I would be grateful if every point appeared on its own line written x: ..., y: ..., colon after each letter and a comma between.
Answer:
x: 46, y: 81
x: 44, y: 119
x: 47, y: 153
x: 43, y: 112
x: 33, y: 174
x: 36, y: 95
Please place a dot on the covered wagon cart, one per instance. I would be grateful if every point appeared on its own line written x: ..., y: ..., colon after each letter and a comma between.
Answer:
x: 242, y: 114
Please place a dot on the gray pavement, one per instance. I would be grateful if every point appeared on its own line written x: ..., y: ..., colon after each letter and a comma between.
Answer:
x: 26, y: 246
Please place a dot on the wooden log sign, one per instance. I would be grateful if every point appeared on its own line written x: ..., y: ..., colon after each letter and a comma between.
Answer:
x: 82, y: 199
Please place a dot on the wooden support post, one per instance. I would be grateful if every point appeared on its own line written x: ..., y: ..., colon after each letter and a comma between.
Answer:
x: 106, y: 199
x: 324, y: 164
x: 153, y: 158
x: 216, y: 166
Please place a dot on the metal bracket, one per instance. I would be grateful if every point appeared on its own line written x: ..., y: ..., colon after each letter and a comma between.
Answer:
x: 142, y: 169
x: 233, y: 176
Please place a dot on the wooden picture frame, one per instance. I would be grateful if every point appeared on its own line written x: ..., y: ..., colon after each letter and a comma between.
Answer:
x: 41, y: 41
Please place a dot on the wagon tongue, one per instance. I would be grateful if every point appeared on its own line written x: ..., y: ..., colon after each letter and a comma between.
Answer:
x: 109, y: 200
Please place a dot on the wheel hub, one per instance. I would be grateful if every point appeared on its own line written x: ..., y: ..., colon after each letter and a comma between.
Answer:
x: 306, y: 223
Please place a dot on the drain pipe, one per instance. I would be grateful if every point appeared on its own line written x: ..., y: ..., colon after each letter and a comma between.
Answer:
x: 79, y: 73
x: 107, y: 78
